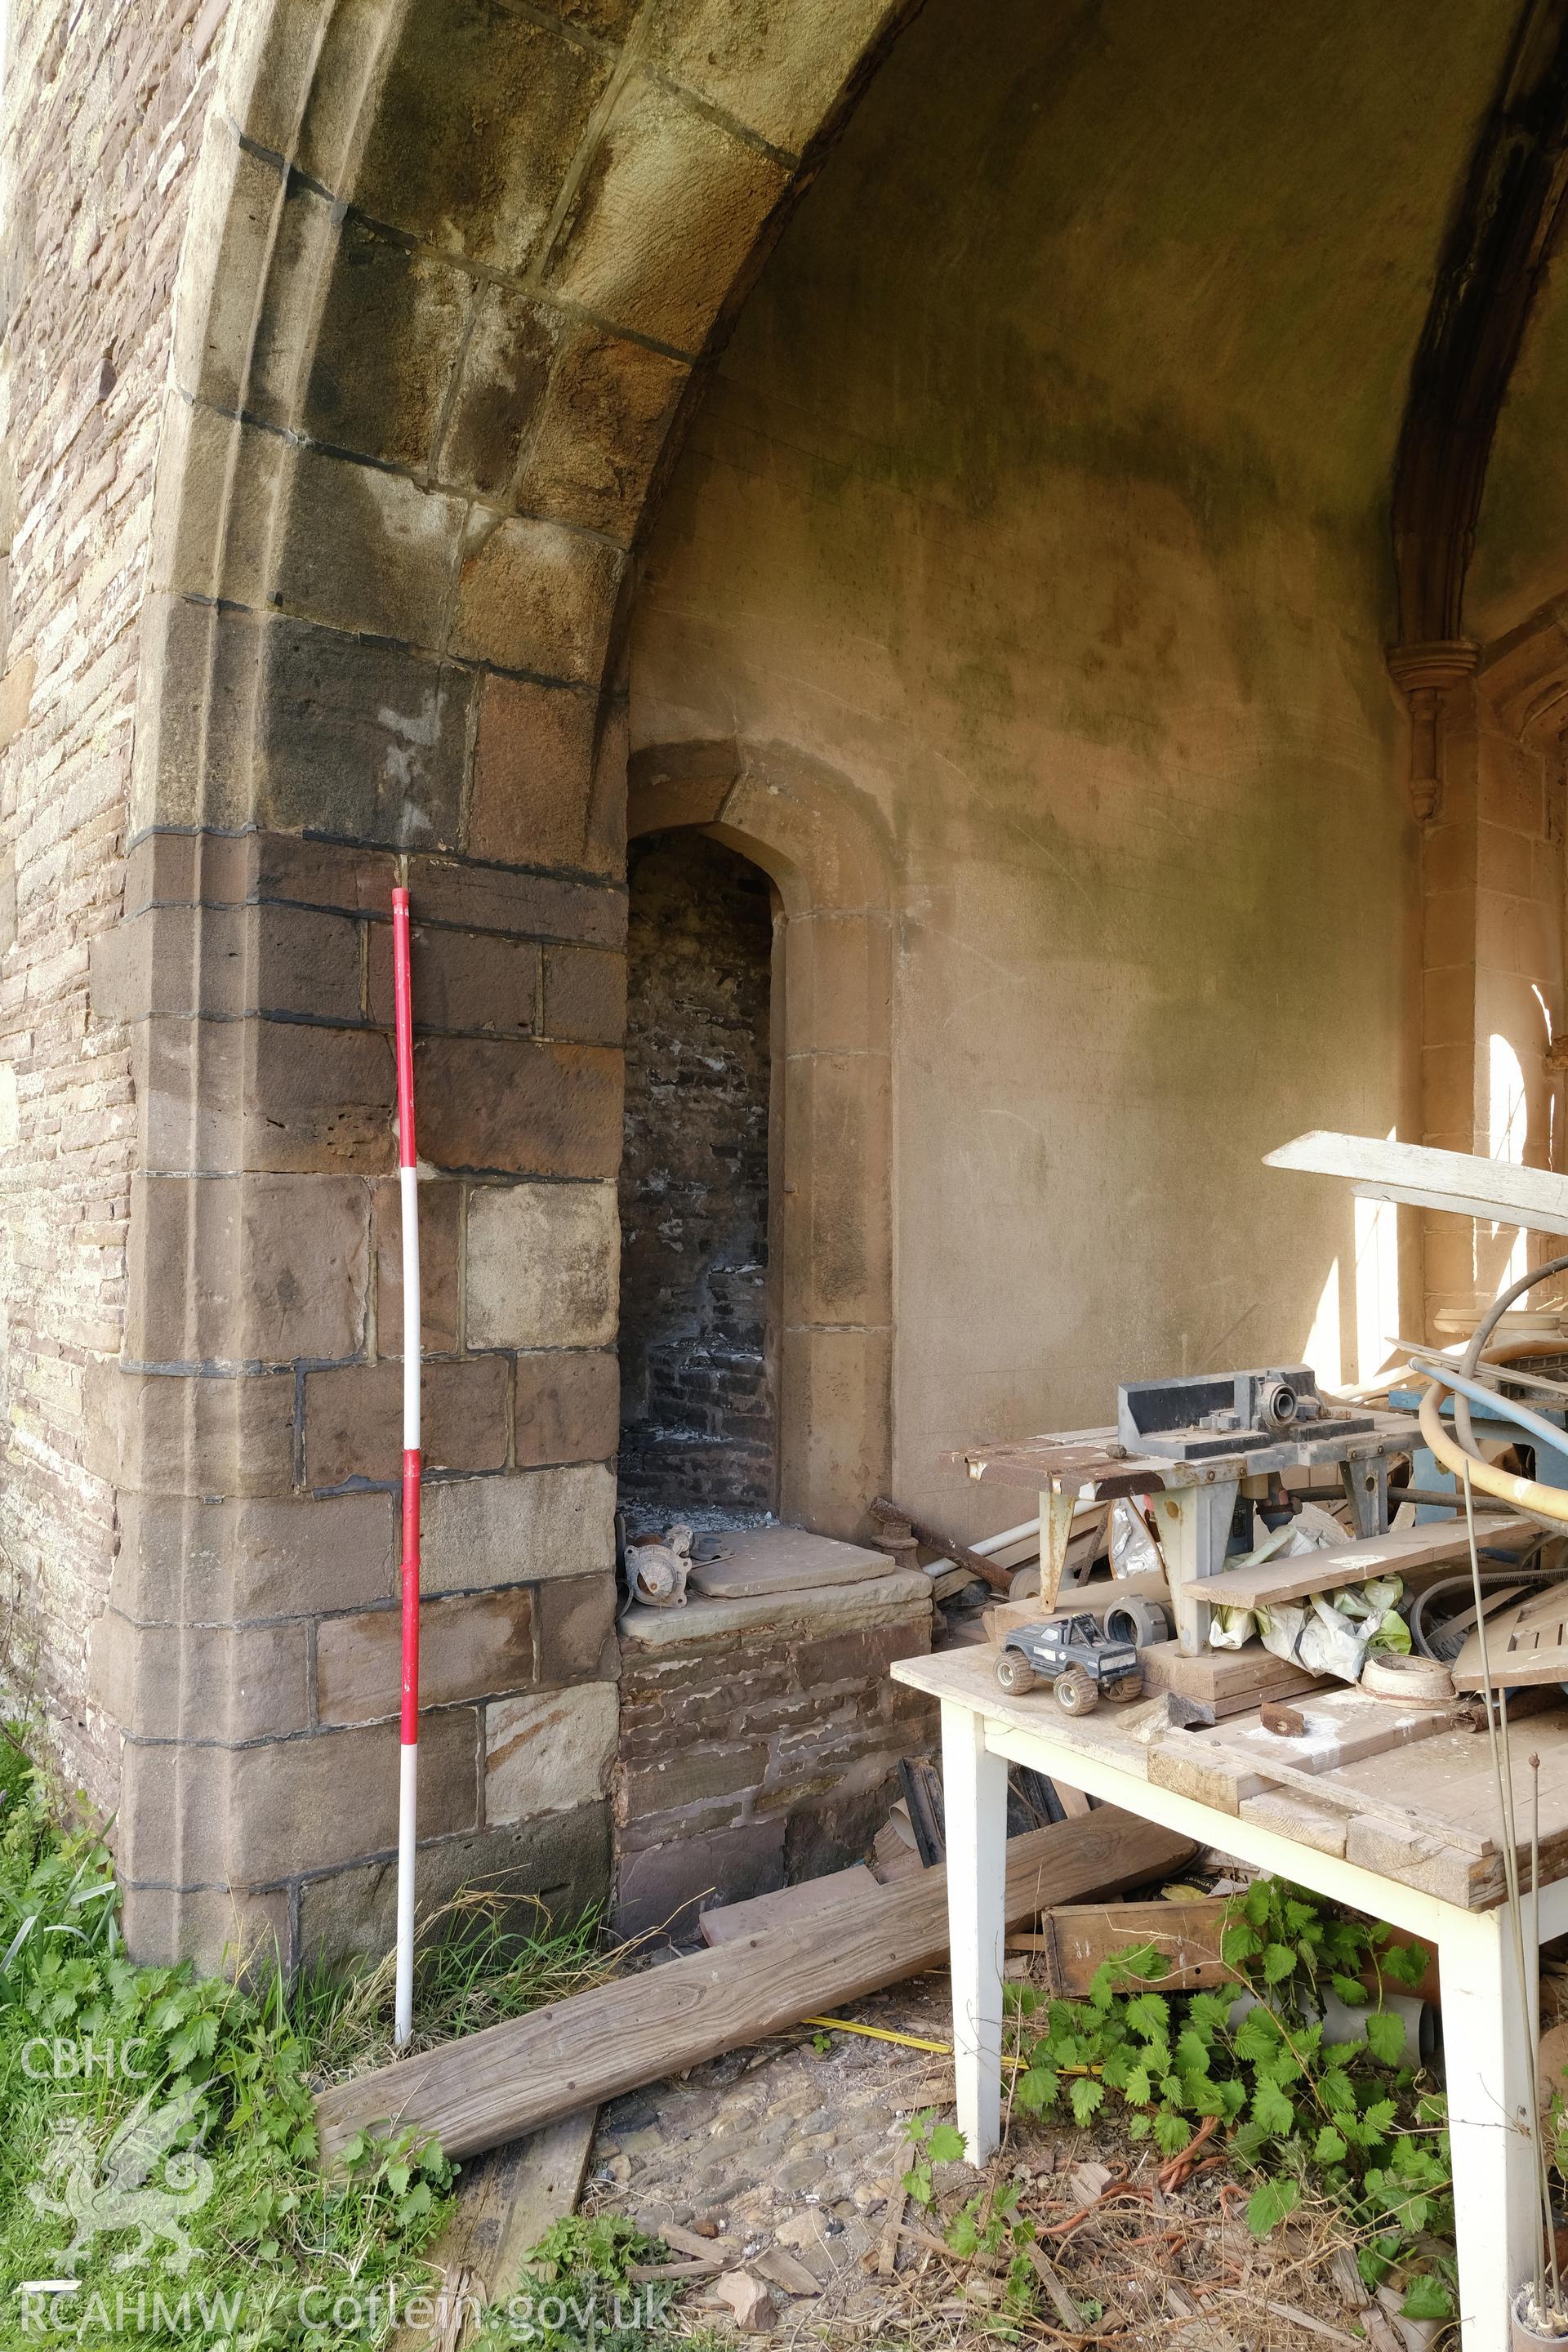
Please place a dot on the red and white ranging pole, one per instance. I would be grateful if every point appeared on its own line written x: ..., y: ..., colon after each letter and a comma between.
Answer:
x: 408, y: 1776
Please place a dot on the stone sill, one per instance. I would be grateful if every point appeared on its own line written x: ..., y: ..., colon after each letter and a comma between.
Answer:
x: 836, y: 1607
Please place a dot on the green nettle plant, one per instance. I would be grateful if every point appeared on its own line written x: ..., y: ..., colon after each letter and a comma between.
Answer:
x: 212, y: 2119
x: 1353, y: 2119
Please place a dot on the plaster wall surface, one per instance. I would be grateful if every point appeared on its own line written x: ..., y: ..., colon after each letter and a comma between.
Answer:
x: 1046, y: 523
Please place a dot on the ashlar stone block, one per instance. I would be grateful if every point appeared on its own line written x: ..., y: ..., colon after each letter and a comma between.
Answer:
x: 548, y: 1750
x: 479, y: 115
x: 670, y: 208
x: 567, y: 1407
x: 533, y: 1526
x: 256, y: 1269
x: 470, y: 1645
x: 520, y: 1106
x: 536, y: 596
x: 542, y: 1265
x: 602, y: 423
x: 364, y: 549
x: 391, y: 330
x: 777, y: 69
x: 189, y: 1557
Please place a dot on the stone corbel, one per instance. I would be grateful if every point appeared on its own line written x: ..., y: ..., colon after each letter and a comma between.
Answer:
x: 1424, y: 675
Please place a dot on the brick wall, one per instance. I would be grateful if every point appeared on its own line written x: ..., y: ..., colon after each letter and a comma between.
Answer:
x: 697, y: 1395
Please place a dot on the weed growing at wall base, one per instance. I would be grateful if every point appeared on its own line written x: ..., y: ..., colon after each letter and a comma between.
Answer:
x: 158, y: 2177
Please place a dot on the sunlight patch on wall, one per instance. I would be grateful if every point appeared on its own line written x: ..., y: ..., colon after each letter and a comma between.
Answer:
x: 1508, y: 1126
x: 1377, y: 1284
x: 1323, y: 1349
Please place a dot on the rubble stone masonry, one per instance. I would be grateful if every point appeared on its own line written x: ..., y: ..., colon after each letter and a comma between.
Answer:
x: 697, y: 1407
x: 760, y: 1741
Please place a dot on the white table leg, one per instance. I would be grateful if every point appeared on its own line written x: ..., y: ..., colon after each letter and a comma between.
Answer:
x: 974, y: 1799
x: 1496, y: 2199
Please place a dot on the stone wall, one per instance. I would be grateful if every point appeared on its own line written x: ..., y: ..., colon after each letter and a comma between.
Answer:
x: 1492, y: 939
x: 1028, y: 536
x: 697, y: 1377
x: 253, y: 1425
x: 403, y: 302
x: 1018, y: 602
x: 760, y: 1741
x: 103, y: 111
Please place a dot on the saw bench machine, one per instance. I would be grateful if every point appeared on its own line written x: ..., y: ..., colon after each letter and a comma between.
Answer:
x: 1201, y: 1449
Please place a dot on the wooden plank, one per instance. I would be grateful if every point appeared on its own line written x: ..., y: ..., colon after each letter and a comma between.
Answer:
x: 1306, y: 1818
x: 513, y: 2077
x: 1527, y: 1642
x: 1212, y: 1774
x: 1375, y: 1170
x: 1077, y: 1936
x: 1452, y: 1778
x: 786, y: 1907
x: 1340, y: 1726
x: 507, y: 2200
x: 1230, y: 1681
x: 1403, y: 1551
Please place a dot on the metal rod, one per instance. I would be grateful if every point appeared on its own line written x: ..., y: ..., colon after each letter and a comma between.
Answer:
x: 408, y: 1749
x: 1502, y: 1774
x: 1535, y: 2009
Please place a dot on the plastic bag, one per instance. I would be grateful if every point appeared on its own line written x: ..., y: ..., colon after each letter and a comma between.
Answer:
x: 1133, y: 1551
x: 1313, y: 1529
x: 1229, y: 1628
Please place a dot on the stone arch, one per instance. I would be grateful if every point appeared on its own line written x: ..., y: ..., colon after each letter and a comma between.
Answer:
x: 1493, y: 842
x: 451, y: 273
x: 826, y: 854
x: 450, y: 278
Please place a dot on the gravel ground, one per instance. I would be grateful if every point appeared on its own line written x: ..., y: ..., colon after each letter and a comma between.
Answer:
x: 793, y: 2147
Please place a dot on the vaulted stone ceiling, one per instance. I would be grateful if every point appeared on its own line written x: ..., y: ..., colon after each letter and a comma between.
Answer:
x: 1197, y: 242
x: 1522, y: 539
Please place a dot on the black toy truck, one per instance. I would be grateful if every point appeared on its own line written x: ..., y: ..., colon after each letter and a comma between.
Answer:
x: 1077, y: 1656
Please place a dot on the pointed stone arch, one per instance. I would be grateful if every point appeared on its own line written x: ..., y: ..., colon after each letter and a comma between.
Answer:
x: 453, y: 271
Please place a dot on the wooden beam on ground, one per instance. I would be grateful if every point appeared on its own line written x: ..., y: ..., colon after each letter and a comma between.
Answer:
x: 506, y: 2203
x: 1469, y: 1187
x: 511, y: 2078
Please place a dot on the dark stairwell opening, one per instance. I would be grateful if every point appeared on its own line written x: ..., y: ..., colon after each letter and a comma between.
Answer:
x: 698, y: 1403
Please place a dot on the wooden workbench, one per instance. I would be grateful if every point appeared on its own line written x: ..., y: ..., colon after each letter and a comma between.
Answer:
x: 1418, y: 1849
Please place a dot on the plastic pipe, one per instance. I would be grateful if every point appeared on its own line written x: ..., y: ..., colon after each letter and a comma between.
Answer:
x: 1008, y: 1535
x: 1525, y: 1494
x: 1340, y: 2022
x: 408, y: 1749
x: 1546, y: 1432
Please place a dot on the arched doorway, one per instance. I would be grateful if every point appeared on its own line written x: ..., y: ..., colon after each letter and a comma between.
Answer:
x: 698, y: 1345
